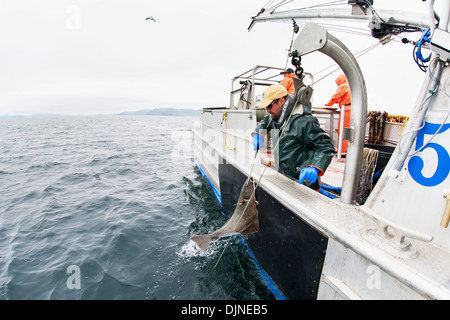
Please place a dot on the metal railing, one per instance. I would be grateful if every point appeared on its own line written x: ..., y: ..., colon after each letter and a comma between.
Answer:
x: 246, y: 85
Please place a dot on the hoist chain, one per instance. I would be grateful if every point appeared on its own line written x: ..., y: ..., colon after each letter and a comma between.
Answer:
x: 296, y: 62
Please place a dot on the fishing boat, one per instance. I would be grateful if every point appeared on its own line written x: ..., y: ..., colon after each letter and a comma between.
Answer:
x: 364, y: 238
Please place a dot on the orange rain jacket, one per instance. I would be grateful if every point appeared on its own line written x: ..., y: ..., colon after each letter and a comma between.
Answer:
x: 288, y: 83
x: 342, y: 95
x: 343, y: 98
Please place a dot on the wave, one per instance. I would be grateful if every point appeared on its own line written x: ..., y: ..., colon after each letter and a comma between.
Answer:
x: 104, y: 194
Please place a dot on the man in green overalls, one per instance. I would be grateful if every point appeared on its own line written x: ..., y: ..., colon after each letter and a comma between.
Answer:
x: 305, y: 149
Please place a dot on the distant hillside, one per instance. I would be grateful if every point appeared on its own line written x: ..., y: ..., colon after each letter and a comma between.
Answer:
x: 162, y: 112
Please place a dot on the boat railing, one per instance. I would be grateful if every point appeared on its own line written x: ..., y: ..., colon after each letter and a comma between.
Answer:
x: 247, y: 84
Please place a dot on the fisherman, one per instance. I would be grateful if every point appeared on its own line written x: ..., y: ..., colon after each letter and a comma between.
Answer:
x: 287, y: 82
x: 305, y: 149
x: 342, y: 98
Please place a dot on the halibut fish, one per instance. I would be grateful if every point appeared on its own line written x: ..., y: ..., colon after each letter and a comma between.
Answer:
x: 243, y: 222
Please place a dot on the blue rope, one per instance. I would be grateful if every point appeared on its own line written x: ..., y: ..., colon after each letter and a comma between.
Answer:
x: 325, y: 193
x: 425, y: 38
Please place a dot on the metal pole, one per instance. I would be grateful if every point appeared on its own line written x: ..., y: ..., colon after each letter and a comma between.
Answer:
x: 315, y: 38
x: 341, y: 133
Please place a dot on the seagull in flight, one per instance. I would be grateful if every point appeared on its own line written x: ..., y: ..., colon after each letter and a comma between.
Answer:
x: 150, y: 18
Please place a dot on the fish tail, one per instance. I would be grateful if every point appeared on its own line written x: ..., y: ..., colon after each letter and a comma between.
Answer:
x: 202, y: 241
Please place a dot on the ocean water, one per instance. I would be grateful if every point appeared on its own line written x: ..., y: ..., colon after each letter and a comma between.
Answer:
x: 102, y: 207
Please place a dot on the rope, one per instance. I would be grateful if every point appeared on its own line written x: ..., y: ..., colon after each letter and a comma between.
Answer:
x: 387, y: 132
x: 400, y: 128
x: 289, y: 50
x: 224, y: 118
x: 369, y: 161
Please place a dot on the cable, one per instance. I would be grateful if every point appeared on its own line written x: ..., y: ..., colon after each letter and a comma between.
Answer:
x: 269, y: 3
x: 295, y: 30
x: 417, y: 51
x: 328, y: 4
x: 357, y: 55
x: 434, y: 135
x: 275, y: 7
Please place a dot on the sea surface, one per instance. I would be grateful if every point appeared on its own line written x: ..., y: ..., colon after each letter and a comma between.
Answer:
x: 102, y: 207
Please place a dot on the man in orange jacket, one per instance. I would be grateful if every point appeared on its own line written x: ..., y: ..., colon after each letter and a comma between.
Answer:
x: 287, y: 82
x: 342, y: 98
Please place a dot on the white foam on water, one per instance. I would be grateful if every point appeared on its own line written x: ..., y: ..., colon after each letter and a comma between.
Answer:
x: 191, y: 250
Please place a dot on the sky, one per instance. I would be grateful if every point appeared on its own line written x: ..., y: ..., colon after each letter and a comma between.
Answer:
x: 103, y: 57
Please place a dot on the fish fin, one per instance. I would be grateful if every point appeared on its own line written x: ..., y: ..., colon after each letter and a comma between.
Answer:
x: 239, y: 203
x: 252, y: 228
x: 202, y: 241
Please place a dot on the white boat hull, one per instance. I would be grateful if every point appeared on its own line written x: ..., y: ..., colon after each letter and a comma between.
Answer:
x: 324, y: 248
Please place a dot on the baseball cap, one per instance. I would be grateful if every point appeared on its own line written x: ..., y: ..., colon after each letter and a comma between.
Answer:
x: 288, y: 70
x: 275, y: 91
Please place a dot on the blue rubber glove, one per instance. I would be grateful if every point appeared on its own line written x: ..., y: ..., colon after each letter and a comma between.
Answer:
x: 308, y: 174
x: 257, y: 141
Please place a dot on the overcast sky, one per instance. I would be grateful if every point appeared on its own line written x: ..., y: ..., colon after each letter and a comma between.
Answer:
x: 90, y: 57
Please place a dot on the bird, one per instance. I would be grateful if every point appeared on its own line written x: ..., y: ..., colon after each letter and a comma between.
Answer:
x: 150, y: 18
